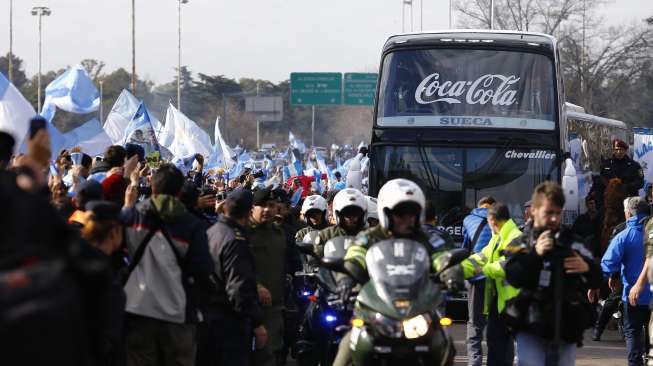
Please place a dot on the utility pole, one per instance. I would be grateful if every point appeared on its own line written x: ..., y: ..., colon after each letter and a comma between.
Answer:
x: 101, y: 99
x: 491, y: 14
x: 133, y: 47
x: 179, y: 2
x: 40, y: 11
x: 450, y: 14
x: 11, y: 41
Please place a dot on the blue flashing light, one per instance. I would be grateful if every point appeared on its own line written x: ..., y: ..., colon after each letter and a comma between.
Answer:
x: 330, y: 318
x: 306, y: 293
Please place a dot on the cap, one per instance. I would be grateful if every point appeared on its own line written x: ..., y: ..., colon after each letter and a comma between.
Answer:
x: 241, y: 198
x: 104, y: 210
x: 90, y: 190
x: 261, y: 196
x: 620, y: 143
x: 280, y: 195
x: 114, y: 188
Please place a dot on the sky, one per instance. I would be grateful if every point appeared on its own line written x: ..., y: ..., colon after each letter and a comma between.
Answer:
x: 266, y: 39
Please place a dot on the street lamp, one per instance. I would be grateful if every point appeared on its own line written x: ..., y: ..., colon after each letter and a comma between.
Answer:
x: 40, y: 11
x: 179, y: 2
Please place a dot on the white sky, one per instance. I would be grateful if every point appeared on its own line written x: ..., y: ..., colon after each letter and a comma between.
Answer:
x: 264, y: 39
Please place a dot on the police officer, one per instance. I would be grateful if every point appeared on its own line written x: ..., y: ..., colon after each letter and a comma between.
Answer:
x: 350, y: 211
x: 269, y: 246
x: 623, y: 167
x: 552, y: 268
x: 235, y: 315
x: 314, y: 212
x: 400, y: 206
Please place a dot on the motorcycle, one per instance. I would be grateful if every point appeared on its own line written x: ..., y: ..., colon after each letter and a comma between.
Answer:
x: 327, y: 317
x: 395, y: 318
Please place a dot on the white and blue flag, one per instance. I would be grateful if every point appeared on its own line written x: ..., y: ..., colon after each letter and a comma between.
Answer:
x: 73, y: 91
x: 140, y: 131
x: 90, y: 137
x: 15, y: 111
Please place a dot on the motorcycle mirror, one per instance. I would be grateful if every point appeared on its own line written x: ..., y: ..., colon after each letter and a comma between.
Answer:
x: 451, y: 258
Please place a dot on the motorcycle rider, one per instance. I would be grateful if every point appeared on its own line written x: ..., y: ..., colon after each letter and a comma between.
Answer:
x: 350, y: 212
x: 400, y: 207
x: 314, y: 211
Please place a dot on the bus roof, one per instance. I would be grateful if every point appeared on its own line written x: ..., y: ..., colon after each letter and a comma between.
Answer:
x: 472, y: 36
x: 596, y: 119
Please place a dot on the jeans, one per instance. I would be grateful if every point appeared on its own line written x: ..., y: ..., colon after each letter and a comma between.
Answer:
x: 537, y: 351
x: 476, y: 323
x: 224, y: 340
x: 500, y: 343
x: 635, y: 318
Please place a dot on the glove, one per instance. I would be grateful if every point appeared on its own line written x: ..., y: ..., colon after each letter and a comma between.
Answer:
x: 453, y: 278
x: 345, y: 285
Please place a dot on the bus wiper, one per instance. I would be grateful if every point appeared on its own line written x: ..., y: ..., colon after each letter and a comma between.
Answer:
x: 427, y: 167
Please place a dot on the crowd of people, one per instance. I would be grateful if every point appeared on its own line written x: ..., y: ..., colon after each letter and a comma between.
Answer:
x: 115, y: 261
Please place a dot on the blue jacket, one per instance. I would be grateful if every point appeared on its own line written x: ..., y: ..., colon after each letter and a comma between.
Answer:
x: 470, y: 224
x: 625, y: 254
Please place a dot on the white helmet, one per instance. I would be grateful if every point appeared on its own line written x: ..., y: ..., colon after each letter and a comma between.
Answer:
x: 395, y: 192
x: 372, y: 207
x: 314, y: 202
x: 349, y: 197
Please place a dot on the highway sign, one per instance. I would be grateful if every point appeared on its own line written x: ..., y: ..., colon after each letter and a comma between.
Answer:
x: 315, y: 88
x: 360, y: 88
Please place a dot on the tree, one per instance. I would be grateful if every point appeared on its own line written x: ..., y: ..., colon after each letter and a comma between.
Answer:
x: 19, y: 77
x: 93, y: 68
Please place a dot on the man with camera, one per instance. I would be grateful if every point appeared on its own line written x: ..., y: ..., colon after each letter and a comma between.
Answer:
x: 553, y: 270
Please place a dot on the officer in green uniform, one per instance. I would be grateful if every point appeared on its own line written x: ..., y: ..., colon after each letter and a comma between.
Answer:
x: 400, y: 206
x: 314, y: 212
x: 350, y: 211
x: 269, y: 247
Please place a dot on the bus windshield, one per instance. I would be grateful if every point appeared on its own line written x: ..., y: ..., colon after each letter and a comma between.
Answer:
x: 467, y: 88
x: 455, y: 178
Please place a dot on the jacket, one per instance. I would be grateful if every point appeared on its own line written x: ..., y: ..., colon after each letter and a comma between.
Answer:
x: 235, y: 271
x: 325, y: 235
x: 625, y: 254
x: 269, y: 246
x: 626, y: 169
x: 99, y: 171
x: 527, y: 271
x: 471, y: 224
x: 438, y: 238
x: 355, y: 257
x: 491, y: 261
x: 159, y: 287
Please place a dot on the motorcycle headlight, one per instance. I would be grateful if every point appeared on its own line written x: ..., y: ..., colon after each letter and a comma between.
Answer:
x: 386, y: 326
x: 417, y: 327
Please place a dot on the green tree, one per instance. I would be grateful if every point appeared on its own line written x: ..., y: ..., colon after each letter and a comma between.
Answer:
x: 19, y: 77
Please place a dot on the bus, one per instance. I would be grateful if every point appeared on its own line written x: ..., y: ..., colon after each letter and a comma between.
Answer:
x: 467, y: 114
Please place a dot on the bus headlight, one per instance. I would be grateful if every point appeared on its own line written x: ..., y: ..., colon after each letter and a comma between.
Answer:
x: 417, y: 327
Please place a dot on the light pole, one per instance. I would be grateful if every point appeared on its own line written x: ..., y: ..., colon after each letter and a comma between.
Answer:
x: 450, y: 14
x: 179, y: 2
x: 11, y: 41
x: 491, y: 14
x: 133, y: 81
x: 101, y: 98
x: 40, y: 11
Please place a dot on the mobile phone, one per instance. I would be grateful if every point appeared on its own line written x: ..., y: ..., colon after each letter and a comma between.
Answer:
x: 36, y: 124
x: 76, y: 158
x: 220, y: 196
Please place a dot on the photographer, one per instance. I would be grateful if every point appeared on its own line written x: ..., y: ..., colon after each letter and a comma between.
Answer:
x: 553, y: 270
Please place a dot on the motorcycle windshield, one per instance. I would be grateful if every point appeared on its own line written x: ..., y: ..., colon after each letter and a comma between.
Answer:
x: 335, y: 248
x: 398, y: 269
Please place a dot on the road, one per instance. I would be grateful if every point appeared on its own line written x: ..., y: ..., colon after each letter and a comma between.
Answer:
x: 611, y: 351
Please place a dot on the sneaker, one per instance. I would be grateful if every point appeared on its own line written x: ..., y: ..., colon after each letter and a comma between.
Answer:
x: 596, y: 335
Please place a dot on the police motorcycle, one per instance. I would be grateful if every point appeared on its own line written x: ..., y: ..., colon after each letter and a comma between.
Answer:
x: 395, y: 317
x: 328, y: 319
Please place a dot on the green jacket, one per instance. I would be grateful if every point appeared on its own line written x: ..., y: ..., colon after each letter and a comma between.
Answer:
x: 355, y: 257
x: 491, y: 261
x: 269, y: 247
x: 326, y: 235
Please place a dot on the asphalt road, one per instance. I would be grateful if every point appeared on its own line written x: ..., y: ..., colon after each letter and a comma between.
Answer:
x: 611, y: 351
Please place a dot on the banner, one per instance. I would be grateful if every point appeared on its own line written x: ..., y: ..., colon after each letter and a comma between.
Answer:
x: 188, y: 138
x: 73, y: 91
x: 15, y: 111
x: 221, y: 154
x: 643, y: 154
x: 140, y: 132
x: 121, y: 114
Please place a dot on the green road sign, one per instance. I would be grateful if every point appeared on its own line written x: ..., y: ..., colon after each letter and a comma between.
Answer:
x: 360, y: 88
x: 315, y: 88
